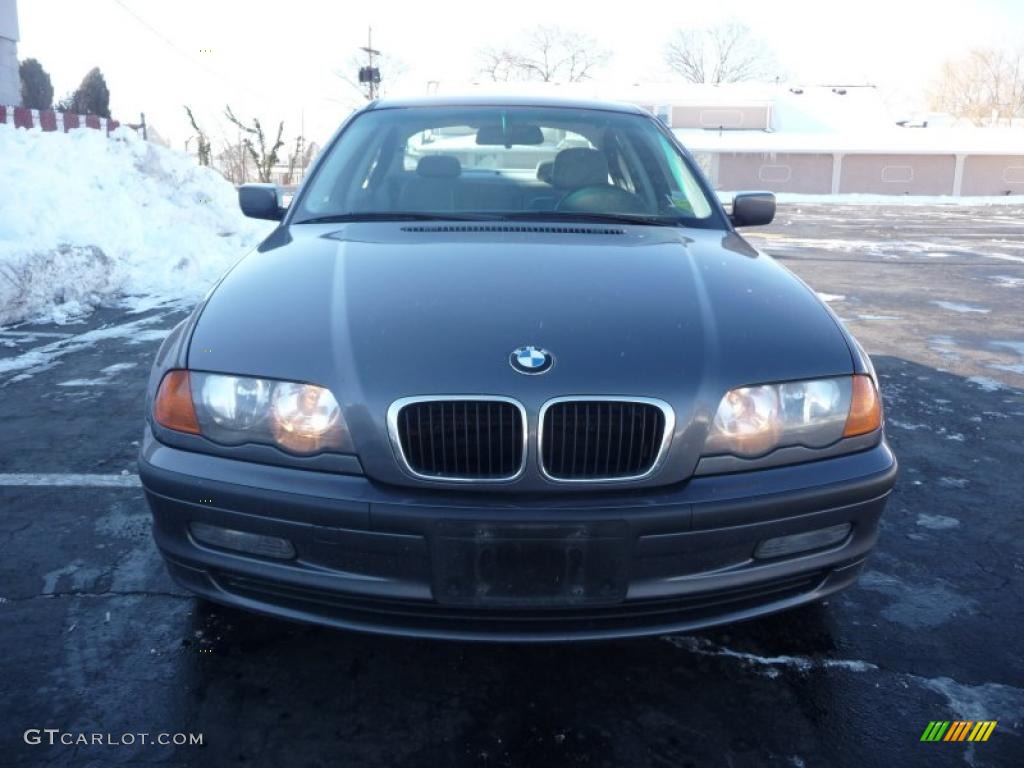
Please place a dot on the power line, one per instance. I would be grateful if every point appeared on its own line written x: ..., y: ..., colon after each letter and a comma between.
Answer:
x: 149, y: 26
x: 260, y: 95
x: 183, y: 53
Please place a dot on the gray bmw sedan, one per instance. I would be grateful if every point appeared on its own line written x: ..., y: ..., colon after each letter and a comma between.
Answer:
x: 505, y: 370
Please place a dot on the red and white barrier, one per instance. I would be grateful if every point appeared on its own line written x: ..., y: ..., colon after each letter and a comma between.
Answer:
x: 50, y: 120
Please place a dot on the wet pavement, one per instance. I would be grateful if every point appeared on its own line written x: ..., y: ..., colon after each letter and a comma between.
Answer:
x: 95, y: 638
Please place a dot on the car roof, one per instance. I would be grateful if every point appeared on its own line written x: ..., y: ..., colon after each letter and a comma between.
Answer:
x: 505, y: 101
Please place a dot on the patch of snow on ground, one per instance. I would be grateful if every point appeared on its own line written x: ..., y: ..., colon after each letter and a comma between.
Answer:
x: 117, y: 368
x: 905, y: 425
x: 800, y: 663
x: 1008, y: 281
x: 943, y: 345
x: 830, y: 296
x: 1004, y: 257
x: 92, y: 218
x: 937, y: 522
x: 985, y: 383
x: 978, y: 702
x: 917, y: 605
x: 952, y: 306
x: 109, y: 374
x: 155, y: 334
x: 44, y: 357
x: 1018, y: 368
x: 1016, y: 346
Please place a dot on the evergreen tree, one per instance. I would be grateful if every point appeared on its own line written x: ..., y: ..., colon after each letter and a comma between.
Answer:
x: 92, y: 96
x: 36, y: 88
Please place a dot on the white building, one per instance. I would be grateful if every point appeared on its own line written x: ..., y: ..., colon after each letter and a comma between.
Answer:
x: 811, y: 140
x: 10, y: 81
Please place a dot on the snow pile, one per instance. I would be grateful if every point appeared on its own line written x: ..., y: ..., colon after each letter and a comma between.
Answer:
x: 85, y: 219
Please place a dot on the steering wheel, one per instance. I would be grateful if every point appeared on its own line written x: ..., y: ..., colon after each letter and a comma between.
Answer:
x: 603, y: 198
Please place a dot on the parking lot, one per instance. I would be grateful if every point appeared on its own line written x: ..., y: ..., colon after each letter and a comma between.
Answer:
x: 97, y: 639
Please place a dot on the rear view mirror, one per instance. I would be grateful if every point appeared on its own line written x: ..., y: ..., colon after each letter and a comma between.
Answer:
x: 506, y: 136
x: 753, y: 209
x: 261, y: 201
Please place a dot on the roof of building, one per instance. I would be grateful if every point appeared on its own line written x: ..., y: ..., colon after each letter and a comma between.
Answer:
x: 803, y: 118
x: 928, y: 141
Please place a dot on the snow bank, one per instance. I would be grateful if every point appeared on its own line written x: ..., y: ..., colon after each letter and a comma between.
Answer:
x: 86, y: 219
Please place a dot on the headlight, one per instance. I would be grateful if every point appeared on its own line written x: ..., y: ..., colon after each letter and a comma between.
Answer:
x: 753, y: 421
x: 232, y: 410
x: 233, y: 403
x: 303, y: 416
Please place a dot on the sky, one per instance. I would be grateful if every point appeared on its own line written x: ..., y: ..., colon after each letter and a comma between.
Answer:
x: 277, y: 61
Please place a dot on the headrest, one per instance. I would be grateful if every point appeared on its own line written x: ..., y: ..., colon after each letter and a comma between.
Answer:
x: 544, y: 170
x: 579, y: 167
x: 439, y: 167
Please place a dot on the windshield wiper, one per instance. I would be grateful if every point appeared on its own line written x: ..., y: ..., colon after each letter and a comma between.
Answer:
x: 608, y: 218
x: 335, y: 218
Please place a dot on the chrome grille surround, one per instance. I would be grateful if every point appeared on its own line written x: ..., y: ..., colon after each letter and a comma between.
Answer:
x: 668, y: 417
x: 395, y: 435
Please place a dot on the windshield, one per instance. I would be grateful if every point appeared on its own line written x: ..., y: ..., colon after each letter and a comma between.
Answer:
x: 505, y: 163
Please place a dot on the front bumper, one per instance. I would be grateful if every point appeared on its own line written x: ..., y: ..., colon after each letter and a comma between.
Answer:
x: 370, y: 557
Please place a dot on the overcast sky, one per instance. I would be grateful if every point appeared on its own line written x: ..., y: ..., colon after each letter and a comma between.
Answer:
x: 277, y: 60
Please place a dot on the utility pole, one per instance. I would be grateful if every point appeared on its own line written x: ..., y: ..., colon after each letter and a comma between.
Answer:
x: 370, y: 75
x: 242, y: 160
x: 302, y: 154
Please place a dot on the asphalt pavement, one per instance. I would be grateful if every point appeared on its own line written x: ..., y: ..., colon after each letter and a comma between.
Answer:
x: 96, y: 639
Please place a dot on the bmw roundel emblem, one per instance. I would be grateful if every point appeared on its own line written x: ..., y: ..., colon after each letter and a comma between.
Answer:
x: 531, y: 360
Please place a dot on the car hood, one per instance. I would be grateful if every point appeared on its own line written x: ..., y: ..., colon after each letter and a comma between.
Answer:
x: 378, y: 311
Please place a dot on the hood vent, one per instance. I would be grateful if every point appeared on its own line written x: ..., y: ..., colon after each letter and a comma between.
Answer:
x: 546, y: 229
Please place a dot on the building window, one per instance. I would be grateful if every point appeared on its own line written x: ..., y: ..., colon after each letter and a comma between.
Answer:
x: 897, y: 174
x: 721, y: 118
x: 777, y: 174
x: 1014, y: 174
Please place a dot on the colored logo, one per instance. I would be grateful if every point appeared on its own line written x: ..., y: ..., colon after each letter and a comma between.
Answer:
x: 959, y: 730
x: 531, y: 360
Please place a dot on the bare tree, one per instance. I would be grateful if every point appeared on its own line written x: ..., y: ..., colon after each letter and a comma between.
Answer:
x: 545, y: 53
x: 725, y: 53
x: 203, y: 148
x: 295, y: 159
x: 234, y: 163
x: 498, y: 64
x: 299, y: 158
x: 263, y: 157
x: 983, y: 87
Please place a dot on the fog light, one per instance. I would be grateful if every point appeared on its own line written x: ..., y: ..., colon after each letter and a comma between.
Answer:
x: 241, y: 541
x: 802, y: 542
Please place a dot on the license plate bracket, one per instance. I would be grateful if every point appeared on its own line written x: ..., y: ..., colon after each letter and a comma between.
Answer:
x: 530, y: 565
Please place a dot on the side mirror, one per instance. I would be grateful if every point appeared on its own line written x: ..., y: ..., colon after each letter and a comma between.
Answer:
x: 753, y: 209
x: 261, y: 201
